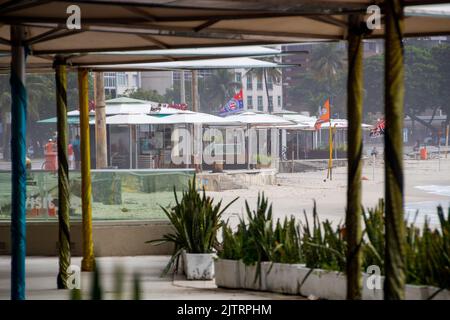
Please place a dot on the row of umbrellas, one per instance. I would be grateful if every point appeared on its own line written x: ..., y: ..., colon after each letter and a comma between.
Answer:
x: 247, y: 118
x: 295, y: 121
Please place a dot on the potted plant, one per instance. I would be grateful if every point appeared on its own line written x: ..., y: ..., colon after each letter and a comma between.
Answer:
x: 196, y: 220
x: 292, y: 257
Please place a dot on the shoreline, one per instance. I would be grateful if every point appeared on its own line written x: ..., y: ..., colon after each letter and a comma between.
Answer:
x: 295, y: 192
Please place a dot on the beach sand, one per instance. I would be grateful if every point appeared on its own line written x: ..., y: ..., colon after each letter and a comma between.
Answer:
x: 295, y: 192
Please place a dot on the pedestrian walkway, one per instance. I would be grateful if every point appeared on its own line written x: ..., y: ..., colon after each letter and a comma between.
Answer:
x: 41, y: 281
x: 36, y: 164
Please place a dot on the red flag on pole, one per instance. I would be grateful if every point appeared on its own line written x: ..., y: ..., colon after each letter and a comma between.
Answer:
x: 324, y: 115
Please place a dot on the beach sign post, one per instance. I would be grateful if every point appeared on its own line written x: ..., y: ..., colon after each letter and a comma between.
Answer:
x: 446, y: 140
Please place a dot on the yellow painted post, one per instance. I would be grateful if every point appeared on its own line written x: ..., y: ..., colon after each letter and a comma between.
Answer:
x: 354, y: 154
x: 88, y: 261
x: 63, y: 174
x: 394, y: 284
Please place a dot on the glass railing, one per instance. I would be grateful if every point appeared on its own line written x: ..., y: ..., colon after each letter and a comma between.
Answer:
x: 116, y: 194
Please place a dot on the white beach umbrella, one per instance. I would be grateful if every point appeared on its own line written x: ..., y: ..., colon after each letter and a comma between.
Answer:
x: 196, y: 118
x: 298, y: 126
x: 263, y: 119
x: 131, y: 119
x: 167, y: 110
x: 302, y: 122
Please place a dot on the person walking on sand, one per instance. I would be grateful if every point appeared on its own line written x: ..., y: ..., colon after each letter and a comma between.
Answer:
x: 374, y: 152
x: 76, y: 151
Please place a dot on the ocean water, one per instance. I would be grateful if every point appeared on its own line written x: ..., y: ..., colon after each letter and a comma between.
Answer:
x: 419, y: 211
x: 435, y: 189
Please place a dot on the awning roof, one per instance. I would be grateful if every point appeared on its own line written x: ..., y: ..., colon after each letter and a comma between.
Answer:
x: 150, y: 56
x: 118, y: 25
x: 45, y: 62
x: 196, y: 118
x: 72, y: 120
x: 308, y: 123
x: 253, y: 118
x: 133, y: 119
x: 123, y: 106
x: 224, y: 63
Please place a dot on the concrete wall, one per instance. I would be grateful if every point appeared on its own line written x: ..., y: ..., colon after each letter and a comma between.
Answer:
x: 157, y: 80
x: 237, y: 179
x: 111, y: 238
x: 308, y: 165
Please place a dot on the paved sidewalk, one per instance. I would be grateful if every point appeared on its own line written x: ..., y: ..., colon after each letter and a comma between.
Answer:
x: 42, y: 271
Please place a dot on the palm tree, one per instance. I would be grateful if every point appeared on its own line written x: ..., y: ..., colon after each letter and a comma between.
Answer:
x: 264, y: 74
x: 327, y: 63
x: 217, y: 88
x: 41, y: 91
x: 41, y: 101
x: 328, y: 66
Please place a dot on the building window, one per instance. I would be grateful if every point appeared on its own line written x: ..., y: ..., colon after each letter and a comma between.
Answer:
x: 270, y: 102
x: 238, y: 77
x: 249, y: 82
x: 110, y: 79
x: 249, y: 102
x: 176, y: 76
x: 279, y: 101
x: 259, y: 85
x: 260, y: 103
x: 110, y: 93
x: 122, y: 79
x: 269, y: 82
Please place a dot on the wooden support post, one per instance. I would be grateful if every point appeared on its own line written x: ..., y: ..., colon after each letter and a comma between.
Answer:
x: 194, y: 91
x: 182, y: 88
x: 101, y: 160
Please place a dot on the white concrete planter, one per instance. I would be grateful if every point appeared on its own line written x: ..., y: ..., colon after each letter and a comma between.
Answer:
x: 249, y: 278
x: 228, y: 274
x: 294, y: 279
x: 198, y: 266
x: 284, y: 278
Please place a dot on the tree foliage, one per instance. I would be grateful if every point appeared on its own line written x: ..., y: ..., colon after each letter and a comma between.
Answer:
x: 148, y: 95
x: 324, y: 76
x: 427, y: 78
x: 41, y: 104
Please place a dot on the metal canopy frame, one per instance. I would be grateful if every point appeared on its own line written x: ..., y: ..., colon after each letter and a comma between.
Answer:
x: 39, y: 28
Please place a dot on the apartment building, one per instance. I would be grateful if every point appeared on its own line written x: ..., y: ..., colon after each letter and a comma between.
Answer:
x: 117, y: 83
x: 257, y: 96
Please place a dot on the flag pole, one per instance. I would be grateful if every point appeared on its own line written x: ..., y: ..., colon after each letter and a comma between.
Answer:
x: 330, y: 144
x: 446, y: 140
